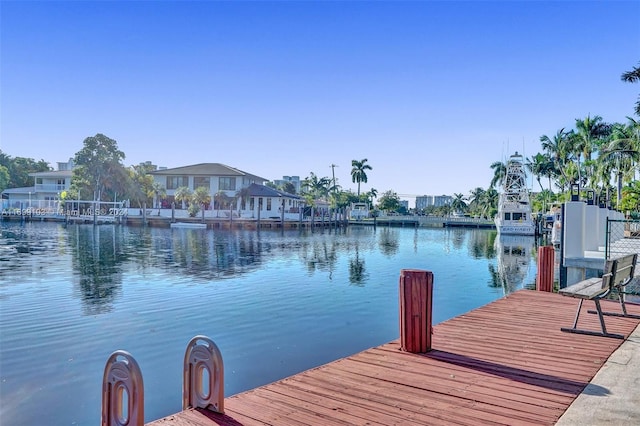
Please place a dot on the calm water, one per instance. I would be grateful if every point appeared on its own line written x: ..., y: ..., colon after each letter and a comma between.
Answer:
x: 276, y: 303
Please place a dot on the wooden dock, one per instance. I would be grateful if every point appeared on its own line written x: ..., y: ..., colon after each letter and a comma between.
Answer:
x: 506, y: 363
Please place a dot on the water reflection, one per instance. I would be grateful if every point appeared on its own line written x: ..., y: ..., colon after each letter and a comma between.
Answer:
x: 96, y: 260
x: 514, y: 253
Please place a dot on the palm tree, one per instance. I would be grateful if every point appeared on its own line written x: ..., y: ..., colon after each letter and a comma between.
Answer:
x: 557, y: 149
x: 489, y: 203
x: 243, y: 195
x: 587, y: 139
x: 373, y: 193
x: 624, y: 153
x: 159, y: 192
x: 475, y: 198
x: 220, y: 200
x: 633, y: 76
x: 182, y: 195
x: 200, y: 198
x: 358, y: 173
x: 537, y: 166
x: 499, y: 173
x: 458, y: 205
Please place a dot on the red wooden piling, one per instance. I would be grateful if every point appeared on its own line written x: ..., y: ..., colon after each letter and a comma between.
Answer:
x: 546, y: 259
x: 416, y: 298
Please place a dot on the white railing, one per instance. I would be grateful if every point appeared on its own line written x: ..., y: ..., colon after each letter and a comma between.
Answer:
x: 49, y: 187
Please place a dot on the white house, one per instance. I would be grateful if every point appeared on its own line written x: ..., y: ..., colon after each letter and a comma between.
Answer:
x: 45, y: 193
x: 215, y: 177
x: 246, y: 191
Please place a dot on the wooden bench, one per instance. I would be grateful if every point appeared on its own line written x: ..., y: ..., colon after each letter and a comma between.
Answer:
x: 617, y: 274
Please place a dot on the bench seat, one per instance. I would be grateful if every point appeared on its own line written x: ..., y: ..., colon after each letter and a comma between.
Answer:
x: 587, y: 289
x: 617, y: 274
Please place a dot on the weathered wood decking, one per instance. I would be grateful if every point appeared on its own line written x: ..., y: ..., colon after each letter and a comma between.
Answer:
x: 504, y: 363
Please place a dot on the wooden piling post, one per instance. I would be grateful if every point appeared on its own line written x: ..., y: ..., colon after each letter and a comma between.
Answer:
x: 416, y: 299
x: 546, y: 260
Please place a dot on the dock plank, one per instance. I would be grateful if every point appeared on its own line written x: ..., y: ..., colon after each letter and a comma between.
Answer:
x: 506, y: 363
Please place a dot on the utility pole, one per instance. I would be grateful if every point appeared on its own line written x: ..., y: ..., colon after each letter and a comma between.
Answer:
x: 333, y: 174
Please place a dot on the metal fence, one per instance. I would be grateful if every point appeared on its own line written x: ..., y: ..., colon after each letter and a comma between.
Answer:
x: 622, y: 237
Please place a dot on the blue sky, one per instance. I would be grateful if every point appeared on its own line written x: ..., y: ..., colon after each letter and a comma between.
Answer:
x: 431, y: 93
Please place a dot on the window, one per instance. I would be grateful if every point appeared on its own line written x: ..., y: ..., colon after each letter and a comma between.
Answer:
x: 268, y: 203
x: 517, y: 216
x: 227, y: 184
x: 252, y: 204
x: 203, y: 181
x: 174, y: 182
x: 507, y: 216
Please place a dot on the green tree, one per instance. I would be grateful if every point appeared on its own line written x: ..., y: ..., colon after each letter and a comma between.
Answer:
x: 19, y: 168
x: 590, y: 134
x: 288, y: 187
x: 631, y: 197
x: 159, y: 192
x: 623, y: 153
x: 220, y: 200
x: 557, y: 149
x: 458, y: 204
x: 199, y: 199
x: 182, y: 195
x: 489, y: 203
x: 499, y: 173
x: 99, y: 159
x: 371, y: 194
x: 316, y: 187
x: 4, y: 178
x: 243, y: 195
x: 358, y: 172
x: 389, y: 201
x: 633, y: 76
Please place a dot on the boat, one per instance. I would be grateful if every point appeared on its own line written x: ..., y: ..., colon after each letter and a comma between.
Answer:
x: 189, y: 225
x: 514, y: 208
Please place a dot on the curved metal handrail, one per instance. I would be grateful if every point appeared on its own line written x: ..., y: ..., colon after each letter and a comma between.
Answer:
x: 122, y: 391
x: 199, y: 390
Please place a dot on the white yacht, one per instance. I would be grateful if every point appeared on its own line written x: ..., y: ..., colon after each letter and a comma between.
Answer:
x: 514, y: 209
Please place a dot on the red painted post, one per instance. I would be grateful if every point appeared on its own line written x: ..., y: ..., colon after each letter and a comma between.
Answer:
x: 544, y: 278
x: 416, y: 298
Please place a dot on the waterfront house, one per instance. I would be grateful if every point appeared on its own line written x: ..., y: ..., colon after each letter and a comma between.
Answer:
x: 244, y: 193
x: 45, y: 192
x: 270, y: 203
x: 215, y: 177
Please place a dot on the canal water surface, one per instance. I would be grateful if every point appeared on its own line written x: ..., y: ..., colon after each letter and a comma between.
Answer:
x: 275, y: 302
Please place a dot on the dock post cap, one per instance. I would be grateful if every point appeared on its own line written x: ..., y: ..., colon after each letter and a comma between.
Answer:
x: 122, y: 391
x: 203, y: 375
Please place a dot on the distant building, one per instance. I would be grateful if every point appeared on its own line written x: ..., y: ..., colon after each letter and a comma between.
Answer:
x: 295, y: 180
x: 442, y: 200
x: 405, y: 204
x: 424, y: 201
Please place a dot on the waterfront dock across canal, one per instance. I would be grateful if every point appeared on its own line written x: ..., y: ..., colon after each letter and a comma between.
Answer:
x: 504, y: 363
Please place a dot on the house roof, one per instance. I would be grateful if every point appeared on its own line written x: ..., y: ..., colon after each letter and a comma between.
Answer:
x: 23, y: 190
x: 53, y: 174
x: 204, y: 169
x: 256, y: 190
